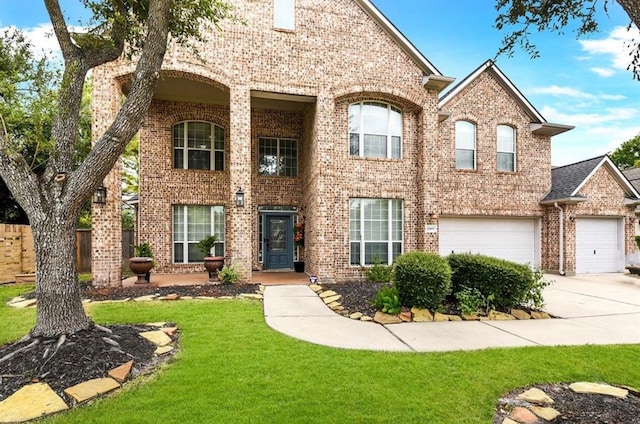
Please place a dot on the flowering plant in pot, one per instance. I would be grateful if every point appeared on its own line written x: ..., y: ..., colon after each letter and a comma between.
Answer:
x: 142, y: 262
x: 212, y: 264
x: 298, y: 240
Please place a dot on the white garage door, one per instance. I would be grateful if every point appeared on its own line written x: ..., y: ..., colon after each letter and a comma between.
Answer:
x: 599, y: 245
x: 513, y: 239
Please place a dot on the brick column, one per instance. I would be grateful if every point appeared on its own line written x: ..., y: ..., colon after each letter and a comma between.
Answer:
x: 429, y: 160
x: 106, y: 219
x: 239, y: 247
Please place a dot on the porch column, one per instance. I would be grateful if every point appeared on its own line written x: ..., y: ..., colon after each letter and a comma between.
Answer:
x: 106, y: 219
x: 239, y: 232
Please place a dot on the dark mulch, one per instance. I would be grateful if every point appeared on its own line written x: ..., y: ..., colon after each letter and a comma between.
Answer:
x: 80, y: 357
x: 578, y: 408
x: 357, y: 296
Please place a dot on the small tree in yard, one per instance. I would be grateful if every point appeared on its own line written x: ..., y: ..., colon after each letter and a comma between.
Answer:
x: 53, y: 197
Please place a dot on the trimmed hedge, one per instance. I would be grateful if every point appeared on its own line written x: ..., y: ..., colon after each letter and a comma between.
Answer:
x: 507, y: 281
x: 423, y: 279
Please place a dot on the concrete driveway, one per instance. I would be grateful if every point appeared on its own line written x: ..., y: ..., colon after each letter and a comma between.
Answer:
x: 594, y: 309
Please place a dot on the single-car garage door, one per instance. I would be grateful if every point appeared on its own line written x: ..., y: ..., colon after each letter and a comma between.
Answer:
x: 513, y: 239
x: 599, y: 245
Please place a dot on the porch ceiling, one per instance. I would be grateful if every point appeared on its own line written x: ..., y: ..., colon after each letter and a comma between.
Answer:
x: 279, y: 101
x: 184, y: 90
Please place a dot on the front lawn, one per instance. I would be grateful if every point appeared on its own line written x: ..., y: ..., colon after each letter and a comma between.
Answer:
x: 232, y: 368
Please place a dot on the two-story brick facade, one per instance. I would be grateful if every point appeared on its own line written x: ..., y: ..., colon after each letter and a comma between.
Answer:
x: 320, y: 112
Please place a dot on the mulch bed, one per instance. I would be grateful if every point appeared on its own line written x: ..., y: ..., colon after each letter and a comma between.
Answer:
x: 87, y: 354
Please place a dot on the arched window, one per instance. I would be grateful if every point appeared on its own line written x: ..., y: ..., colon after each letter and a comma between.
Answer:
x: 375, y: 130
x: 506, y: 159
x: 198, y: 145
x: 465, y: 145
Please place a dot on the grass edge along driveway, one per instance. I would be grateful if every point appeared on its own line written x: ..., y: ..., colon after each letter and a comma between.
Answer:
x: 232, y: 368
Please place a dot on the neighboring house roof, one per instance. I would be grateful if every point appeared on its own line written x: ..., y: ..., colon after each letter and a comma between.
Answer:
x: 433, y: 79
x: 568, y: 180
x: 633, y: 175
x: 539, y: 125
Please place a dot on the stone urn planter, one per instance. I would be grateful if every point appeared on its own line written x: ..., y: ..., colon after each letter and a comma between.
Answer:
x: 213, y: 264
x: 141, y: 266
x: 142, y: 262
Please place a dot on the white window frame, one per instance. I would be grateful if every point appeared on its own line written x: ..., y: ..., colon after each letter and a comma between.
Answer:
x: 362, y: 129
x: 461, y: 148
x: 220, y: 245
x: 284, y: 14
x: 278, y: 156
x: 186, y: 149
x: 393, y: 205
x: 512, y: 152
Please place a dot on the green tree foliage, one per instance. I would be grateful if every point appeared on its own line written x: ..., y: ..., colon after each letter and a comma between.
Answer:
x: 628, y: 154
x: 526, y: 16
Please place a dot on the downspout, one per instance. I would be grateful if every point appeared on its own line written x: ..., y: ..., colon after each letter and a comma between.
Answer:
x: 560, y: 239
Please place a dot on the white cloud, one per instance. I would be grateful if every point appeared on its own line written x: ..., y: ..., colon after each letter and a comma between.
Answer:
x: 591, y: 119
x: 617, y: 45
x: 604, y: 72
x: 42, y: 39
x: 555, y: 90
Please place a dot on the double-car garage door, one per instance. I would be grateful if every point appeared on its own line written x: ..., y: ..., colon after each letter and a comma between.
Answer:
x: 514, y: 239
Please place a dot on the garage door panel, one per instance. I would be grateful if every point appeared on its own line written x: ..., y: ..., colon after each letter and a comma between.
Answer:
x: 511, y: 239
x: 599, y: 246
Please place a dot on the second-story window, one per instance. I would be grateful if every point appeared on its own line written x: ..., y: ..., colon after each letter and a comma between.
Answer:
x: 506, y: 148
x: 284, y: 14
x: 375, y: 130
x: 198, y: 145
x: 465, y: 145
x: 278, y: 157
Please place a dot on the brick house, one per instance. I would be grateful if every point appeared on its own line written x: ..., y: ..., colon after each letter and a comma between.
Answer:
x: 321, y: 112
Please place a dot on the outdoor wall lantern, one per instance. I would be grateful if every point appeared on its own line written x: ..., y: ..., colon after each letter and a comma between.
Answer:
x: 240, y: 198
x: 100, y: 195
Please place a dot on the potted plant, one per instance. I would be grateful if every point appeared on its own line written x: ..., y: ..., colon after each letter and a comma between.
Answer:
x: 298, y: 240
x: 212, y: 264
x: 142, y: 262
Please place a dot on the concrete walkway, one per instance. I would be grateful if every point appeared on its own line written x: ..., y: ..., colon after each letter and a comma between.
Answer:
x: 595, y: 309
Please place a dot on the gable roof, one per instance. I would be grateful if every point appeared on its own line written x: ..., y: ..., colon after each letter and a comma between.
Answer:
x: 568, y: 180
x: 433, y: 77
x: 539, y: 125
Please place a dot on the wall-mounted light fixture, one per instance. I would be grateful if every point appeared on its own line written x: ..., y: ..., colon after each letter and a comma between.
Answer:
x: 240, y: 198
x: 100, y: 196
x: 572, y: 218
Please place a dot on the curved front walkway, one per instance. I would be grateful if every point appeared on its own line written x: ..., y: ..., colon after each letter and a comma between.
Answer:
x: 599, y: 309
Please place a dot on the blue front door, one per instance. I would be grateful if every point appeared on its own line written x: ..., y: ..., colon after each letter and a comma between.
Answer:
x: 278, y: 242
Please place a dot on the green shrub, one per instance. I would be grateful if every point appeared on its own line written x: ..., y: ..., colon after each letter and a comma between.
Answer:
x: 379, y: 273
x: 473, y: 302
x: 533, y: 298
x: 507, y: 281
x: 228, y: 275
x: 423, y: 279
x: 387, y: 300
x: 638, y: 241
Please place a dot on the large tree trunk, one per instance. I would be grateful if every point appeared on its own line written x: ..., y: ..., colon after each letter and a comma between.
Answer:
x: 60, y: 308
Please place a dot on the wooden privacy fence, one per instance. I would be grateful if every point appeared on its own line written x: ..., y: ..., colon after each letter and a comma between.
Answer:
x: 16, y: 252
x: 17, y: 256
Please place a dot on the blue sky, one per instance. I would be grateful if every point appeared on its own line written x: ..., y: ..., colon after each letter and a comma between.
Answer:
x: 575, y: 82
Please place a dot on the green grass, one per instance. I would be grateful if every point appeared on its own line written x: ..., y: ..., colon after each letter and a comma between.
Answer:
x: 232, y: 368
